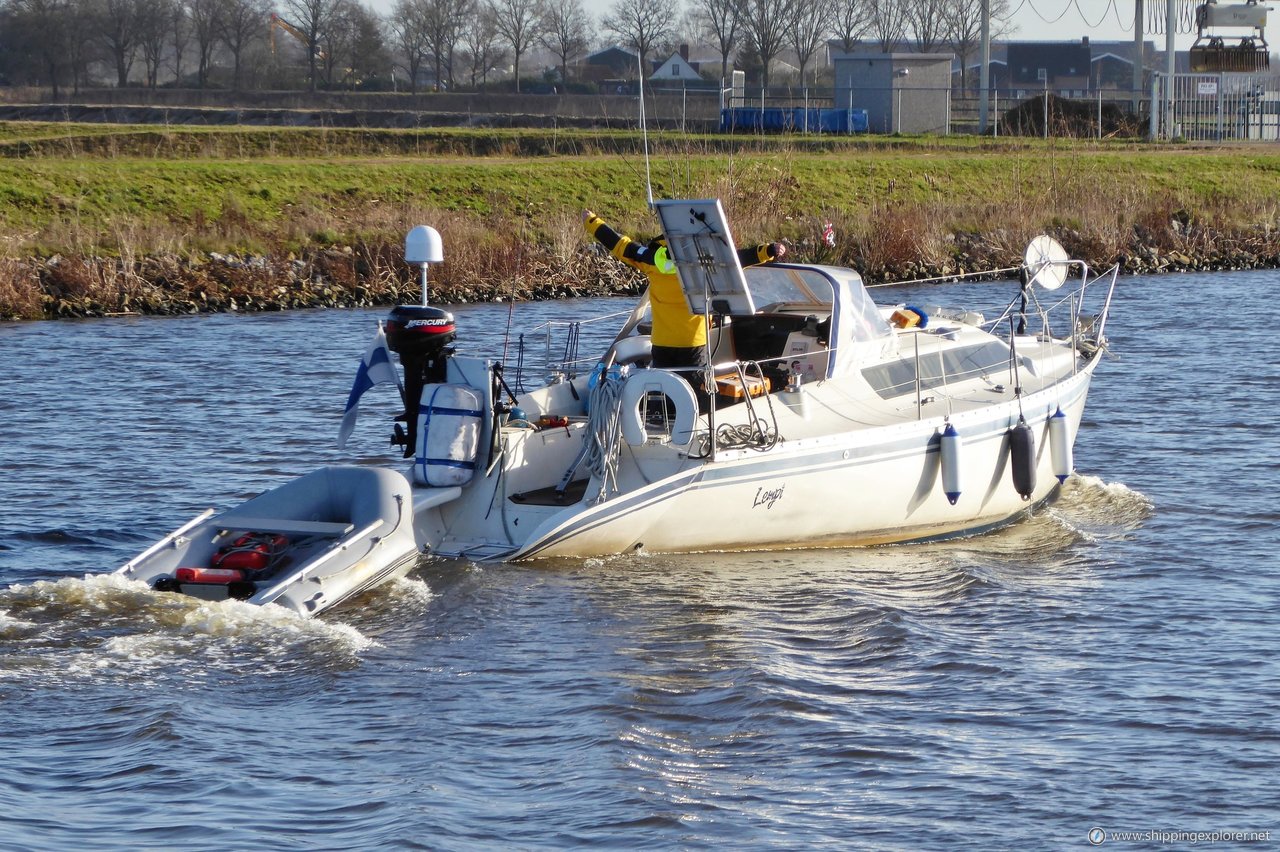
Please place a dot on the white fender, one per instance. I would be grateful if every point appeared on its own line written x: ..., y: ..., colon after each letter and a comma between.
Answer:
x: 949, y: 450
x: 676, y: 389
x: 1060, y: 445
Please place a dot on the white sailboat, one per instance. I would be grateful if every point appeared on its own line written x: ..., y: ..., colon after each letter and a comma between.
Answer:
x: 834, y: 422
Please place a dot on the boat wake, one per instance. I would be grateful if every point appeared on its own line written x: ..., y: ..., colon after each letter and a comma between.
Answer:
x: 1102, y: 510
x: 99, y: 624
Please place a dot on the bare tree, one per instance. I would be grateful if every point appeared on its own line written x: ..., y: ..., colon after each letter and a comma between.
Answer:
x: 369, y: 54
x: 409, y: 30
x: 180, y: 28
x: 335, y: 43
x: 117, y: 28
x: 851, y: 19
x: 480, y: 46
x: 888, y: 22
x: 641, y: 24
x: 808, y: 31
x: 927, y: 20
x: 312, y: 18
x: 719, y: 21
x: 241, y: 23
x: 765, y: 24
x: 40, y: 32
x: 445, y: 20
x: 153, y: 36
x: 565, y: 33
x: 80, y: 46
x: 518, y: 23
x: 203, y: 18
x: 964, y: 28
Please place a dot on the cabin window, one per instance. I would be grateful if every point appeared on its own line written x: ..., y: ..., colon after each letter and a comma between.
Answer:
x: 898, y: 378
x: 773, y: 285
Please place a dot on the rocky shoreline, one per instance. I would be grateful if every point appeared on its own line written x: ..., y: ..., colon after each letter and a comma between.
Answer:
x: 368, y: 275
x: 342, y: 277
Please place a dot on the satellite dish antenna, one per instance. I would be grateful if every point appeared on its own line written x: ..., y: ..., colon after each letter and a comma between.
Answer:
x: 423, y: 246
x: 1046, y: 262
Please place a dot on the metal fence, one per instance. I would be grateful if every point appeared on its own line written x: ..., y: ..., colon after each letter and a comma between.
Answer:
x: 1216, y: 107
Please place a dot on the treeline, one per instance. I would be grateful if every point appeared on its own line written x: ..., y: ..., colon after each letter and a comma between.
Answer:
x: 446, y: 44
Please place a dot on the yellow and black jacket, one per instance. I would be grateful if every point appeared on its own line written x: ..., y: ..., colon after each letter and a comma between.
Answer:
x: 673, y: 324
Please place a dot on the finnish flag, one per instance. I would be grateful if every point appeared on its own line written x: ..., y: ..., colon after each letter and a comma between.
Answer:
x: 375, y: 369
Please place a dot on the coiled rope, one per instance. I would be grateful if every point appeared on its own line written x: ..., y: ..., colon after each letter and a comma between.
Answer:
x: 760, y: 434
x: 604, y: 431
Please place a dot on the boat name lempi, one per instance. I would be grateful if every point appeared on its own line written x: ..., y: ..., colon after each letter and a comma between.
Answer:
x: 768, y: 498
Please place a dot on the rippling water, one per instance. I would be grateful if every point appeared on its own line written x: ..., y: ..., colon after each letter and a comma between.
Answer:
x: 1109, y: 663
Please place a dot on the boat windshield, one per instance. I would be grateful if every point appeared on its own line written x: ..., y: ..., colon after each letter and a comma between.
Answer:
x: 780, y: 285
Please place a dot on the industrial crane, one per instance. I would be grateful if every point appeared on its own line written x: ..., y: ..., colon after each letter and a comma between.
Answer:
x: 278, y: 22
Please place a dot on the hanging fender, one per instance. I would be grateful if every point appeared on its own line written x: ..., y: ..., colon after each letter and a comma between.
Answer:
x: 1060, y: 446
x: 1022, y: 459
x: 949, y: 453
x: 676, y: 389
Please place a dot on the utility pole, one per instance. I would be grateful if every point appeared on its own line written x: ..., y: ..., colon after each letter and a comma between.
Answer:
x: 1169, y: 22
x: 1137, y: 55
x: 984, y: 73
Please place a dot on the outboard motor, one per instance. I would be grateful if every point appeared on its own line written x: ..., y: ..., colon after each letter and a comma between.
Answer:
x: 420, y: 335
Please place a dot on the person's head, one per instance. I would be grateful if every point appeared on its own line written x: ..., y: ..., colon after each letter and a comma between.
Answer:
x: 657, y: 248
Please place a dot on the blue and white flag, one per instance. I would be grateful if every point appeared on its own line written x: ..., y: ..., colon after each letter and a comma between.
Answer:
x: 375, y: 369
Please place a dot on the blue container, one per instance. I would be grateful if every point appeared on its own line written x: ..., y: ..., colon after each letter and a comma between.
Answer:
x: 793, y: 120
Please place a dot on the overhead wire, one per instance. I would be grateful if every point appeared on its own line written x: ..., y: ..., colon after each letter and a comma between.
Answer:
x: 1156, y: 14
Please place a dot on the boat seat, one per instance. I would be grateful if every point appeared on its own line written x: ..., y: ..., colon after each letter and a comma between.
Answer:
x: 283, y: 526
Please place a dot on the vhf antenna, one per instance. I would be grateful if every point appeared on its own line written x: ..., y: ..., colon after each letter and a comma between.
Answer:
x: 644, y: 132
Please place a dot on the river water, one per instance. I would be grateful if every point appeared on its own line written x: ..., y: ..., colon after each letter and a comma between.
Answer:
x: 1110, y: 663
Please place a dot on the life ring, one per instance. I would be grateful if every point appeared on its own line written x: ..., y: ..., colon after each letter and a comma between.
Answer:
x: 676, y: 389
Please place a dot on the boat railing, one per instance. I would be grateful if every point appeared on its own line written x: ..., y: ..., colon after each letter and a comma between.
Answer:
x: 562, y: 343
x: 947, y: 279
x: 1098, y: 336
x: 1075, y: 301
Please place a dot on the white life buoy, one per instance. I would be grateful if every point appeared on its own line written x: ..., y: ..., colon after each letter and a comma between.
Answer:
x: 676, y: 389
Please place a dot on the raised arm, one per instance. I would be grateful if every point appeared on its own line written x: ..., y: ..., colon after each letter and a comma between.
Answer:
x: 620, y: 246
x: 766, y: 253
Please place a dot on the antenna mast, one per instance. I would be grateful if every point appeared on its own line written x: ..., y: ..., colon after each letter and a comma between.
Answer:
x: 644, y: 132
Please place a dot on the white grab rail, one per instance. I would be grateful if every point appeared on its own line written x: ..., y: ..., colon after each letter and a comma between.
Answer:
x: 270, y: 594
x: 164, y: 542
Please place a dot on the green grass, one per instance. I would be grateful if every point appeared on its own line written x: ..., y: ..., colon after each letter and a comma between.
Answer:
x: 63, y: 203
x: 506, y: 198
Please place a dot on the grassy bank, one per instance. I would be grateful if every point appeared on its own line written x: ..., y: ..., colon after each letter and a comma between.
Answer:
x: 105, y: 219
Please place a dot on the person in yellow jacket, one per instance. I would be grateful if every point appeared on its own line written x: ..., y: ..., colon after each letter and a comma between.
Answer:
x: 679, y: 337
